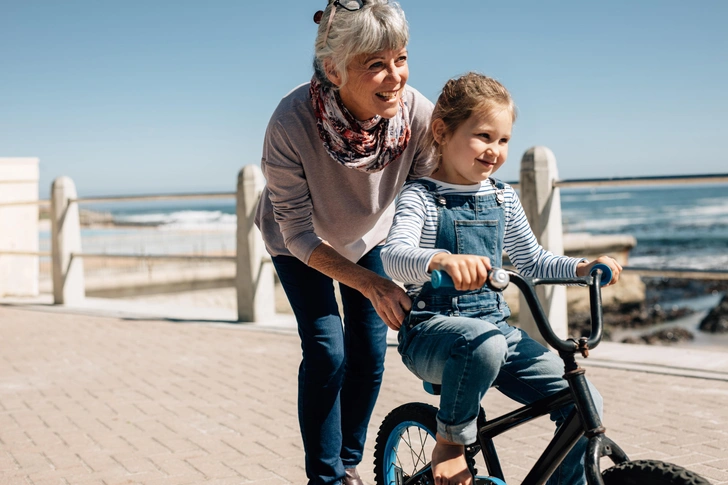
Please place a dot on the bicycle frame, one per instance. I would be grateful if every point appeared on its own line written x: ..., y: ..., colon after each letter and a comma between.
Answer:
x: 584, y: 420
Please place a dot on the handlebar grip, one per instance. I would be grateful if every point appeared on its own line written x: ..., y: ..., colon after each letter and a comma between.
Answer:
x: 606, y: 273
x: 498, y: 279
x: 440, y: 279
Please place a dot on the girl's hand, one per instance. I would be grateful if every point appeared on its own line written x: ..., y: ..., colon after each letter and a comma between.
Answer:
x: 389, y: 300
x: 584, y: 269
x: 468, y: 271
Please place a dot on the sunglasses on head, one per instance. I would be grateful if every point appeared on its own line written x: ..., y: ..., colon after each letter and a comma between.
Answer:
x: 349, y: 5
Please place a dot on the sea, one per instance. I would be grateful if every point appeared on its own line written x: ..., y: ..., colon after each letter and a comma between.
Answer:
x: 676, y: 226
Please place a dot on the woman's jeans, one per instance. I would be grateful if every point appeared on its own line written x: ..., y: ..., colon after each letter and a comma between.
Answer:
x: 341, y: 371
x: 469, y: 355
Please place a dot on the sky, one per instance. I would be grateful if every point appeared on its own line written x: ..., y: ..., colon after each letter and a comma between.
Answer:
x: 162, y: 96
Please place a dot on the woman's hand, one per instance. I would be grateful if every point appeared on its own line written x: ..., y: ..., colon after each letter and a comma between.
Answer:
x: 468, y: 271
x: 584, y: 268
x: 389, y: 300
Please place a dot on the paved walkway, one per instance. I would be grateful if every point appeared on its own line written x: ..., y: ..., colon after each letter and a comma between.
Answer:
x: 91, y: 399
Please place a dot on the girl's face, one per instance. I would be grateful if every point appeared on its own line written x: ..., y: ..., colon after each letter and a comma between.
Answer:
x: 476, y: 149
x: 375, y: 84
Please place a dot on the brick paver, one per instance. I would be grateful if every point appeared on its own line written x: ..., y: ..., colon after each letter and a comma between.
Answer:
x: 94, y: 400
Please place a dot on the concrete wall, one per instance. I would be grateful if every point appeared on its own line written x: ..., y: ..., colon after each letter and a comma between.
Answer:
x: 18, y: 226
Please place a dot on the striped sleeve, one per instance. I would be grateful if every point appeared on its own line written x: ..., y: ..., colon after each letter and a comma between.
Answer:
x: 410, y: 244
x: 523, y: 249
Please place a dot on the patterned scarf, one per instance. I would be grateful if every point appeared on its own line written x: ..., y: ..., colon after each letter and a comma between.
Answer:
x: 367, y: 146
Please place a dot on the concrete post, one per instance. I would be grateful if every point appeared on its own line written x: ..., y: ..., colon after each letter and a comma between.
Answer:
x: 542, y: 203
x: 68, y: 279
x: 254, y: 278
x: 19, y: 226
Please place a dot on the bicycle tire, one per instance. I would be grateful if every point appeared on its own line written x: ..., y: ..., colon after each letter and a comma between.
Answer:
x: 650, y: 472
x: 414, y: 421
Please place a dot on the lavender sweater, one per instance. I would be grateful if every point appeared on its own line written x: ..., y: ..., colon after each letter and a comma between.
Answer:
x: 310, y: 197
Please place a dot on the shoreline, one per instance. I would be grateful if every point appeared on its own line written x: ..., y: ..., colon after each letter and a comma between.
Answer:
x: 671, y: 313
x: 664, y: 303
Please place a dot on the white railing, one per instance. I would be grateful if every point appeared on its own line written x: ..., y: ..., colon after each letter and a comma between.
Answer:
x: 539, y: 187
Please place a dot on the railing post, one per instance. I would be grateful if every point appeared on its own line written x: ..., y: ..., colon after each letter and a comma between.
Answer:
x: 254, y: 278
x: 19, y: 226
x: 542, y: 203
x: 68, y: 278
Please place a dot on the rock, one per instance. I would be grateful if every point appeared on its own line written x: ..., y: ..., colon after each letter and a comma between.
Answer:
x: 717, y: 320
x: 664, y: 336
x: 631, y: 315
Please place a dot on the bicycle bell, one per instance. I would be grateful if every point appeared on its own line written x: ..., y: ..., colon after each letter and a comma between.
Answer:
x: 499, y: 279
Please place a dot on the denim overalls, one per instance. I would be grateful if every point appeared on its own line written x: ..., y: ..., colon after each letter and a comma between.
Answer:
x: 460, y: 339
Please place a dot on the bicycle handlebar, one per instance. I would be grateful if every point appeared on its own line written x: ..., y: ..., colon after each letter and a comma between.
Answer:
x: 498, y: 279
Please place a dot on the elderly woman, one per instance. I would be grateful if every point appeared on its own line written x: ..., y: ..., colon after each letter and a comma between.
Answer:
x: 337, y: 151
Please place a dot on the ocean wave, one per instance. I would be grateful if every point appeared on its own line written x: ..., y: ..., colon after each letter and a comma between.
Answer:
x: 685, y: 261
x: 718, y: 211
x: 181, y: 220
x: 595, y: 197
x: 604, y: 225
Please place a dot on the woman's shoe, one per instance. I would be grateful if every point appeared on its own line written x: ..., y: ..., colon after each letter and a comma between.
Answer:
x: 352, y: 477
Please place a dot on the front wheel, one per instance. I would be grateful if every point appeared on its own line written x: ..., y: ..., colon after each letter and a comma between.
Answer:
x: 650, y: 472
x: 404, y: 445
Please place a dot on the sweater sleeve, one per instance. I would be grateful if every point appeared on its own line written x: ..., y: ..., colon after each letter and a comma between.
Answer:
x: 289, y: 193
x: 402, y: 257
x: 523, y: 249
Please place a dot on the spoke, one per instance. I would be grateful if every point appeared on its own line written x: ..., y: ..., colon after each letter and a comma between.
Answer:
x: 396, y: 455
x: 418, y: 458
x: 412, y: 455
x: 421, y: 455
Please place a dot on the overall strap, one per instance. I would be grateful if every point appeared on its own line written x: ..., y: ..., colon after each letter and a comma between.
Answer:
x: 500, y: 187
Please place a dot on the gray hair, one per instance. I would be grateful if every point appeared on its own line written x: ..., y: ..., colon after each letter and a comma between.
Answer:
x: 379, y: 25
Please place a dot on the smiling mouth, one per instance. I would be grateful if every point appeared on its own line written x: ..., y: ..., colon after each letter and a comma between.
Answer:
x: 486, y: 162
x: 388, y: 95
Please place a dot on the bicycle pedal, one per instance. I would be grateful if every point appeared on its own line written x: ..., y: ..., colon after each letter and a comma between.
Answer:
x: 488, y: 481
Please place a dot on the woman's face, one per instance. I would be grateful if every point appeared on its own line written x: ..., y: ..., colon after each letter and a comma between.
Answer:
x: 375, y: 84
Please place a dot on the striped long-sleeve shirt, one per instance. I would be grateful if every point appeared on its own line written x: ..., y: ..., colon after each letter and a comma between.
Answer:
x: 411, y: 242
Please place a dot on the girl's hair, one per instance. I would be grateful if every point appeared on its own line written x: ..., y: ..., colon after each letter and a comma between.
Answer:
x: 463, y: 96
x: 379, y: 25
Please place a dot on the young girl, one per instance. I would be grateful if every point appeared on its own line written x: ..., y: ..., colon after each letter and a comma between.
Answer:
x: 460, y: 220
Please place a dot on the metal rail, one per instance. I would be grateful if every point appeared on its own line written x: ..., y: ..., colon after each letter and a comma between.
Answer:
x: 155, y: 256
x: 663, y: 180
x: 129, y: 198
x: 26, y: 202
x: 717, y: 178
x: 567, y: 183
x: 44, y: 254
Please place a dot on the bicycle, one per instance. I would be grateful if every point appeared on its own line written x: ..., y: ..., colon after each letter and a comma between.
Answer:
x: 400, y: 454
